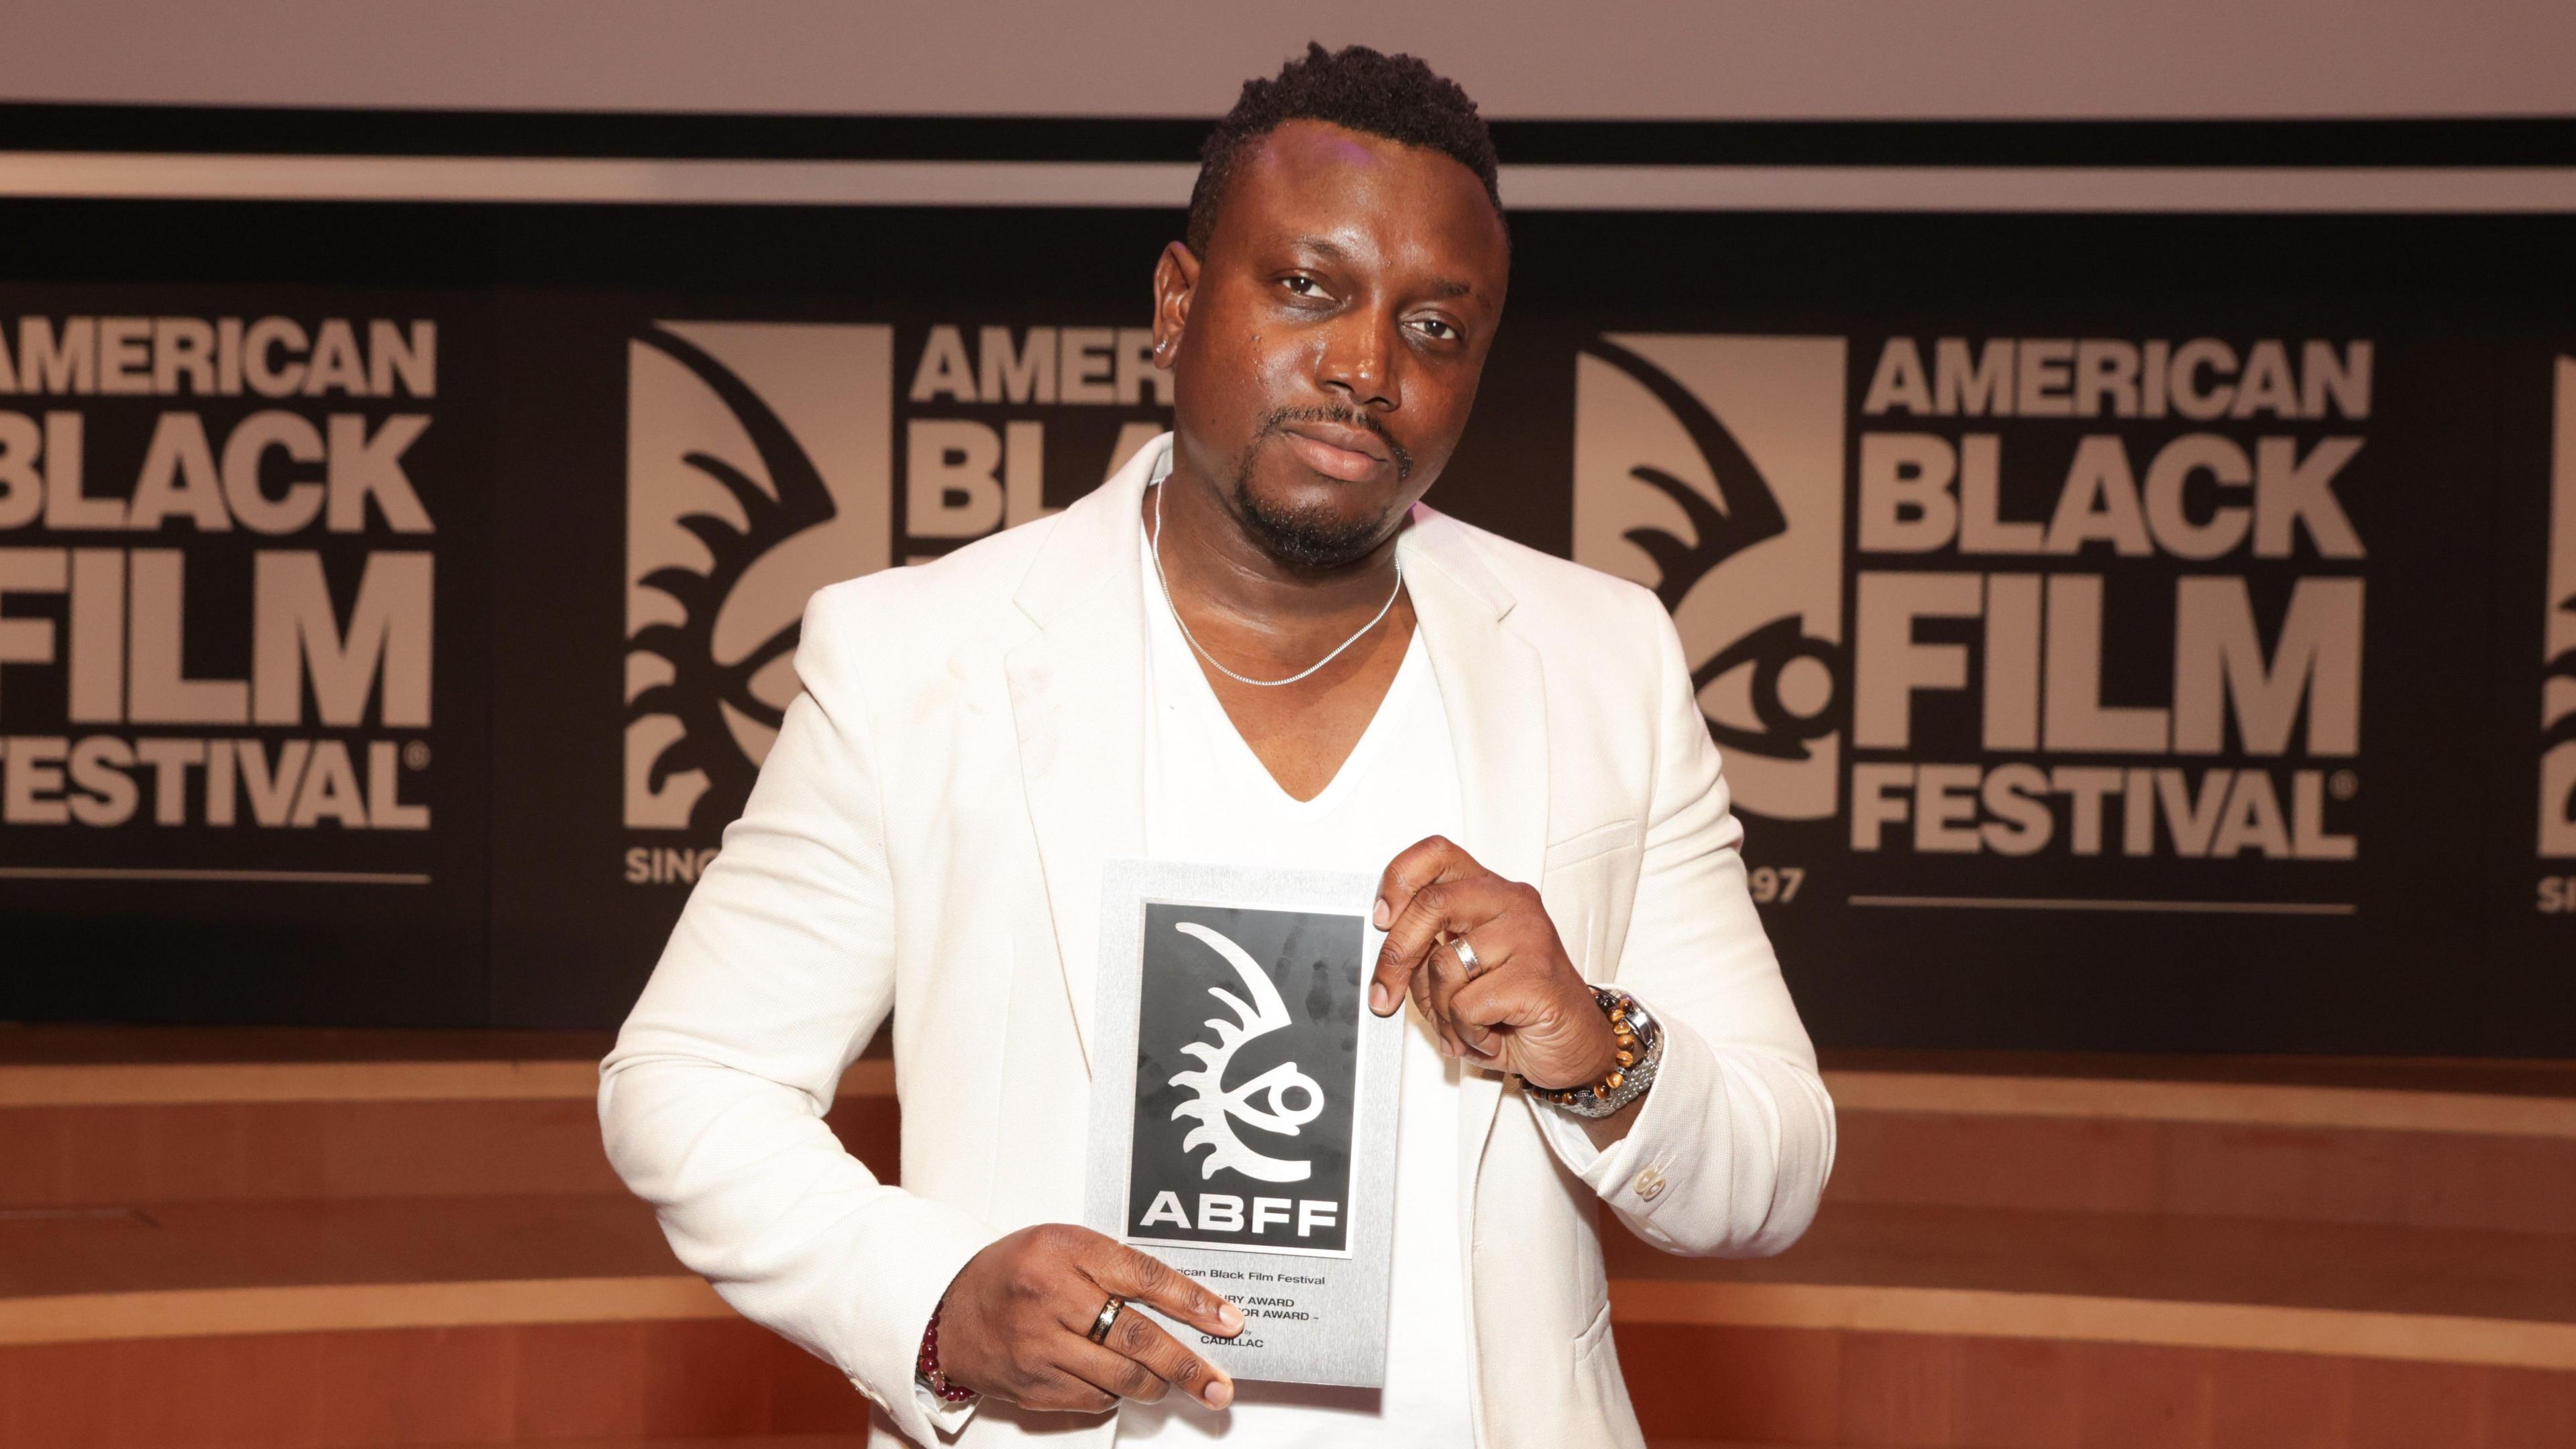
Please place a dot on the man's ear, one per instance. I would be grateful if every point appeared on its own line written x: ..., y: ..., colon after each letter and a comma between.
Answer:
x: 1176, y: 277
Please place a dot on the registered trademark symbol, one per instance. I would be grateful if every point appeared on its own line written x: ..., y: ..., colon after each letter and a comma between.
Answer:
x: 2343, y: 784
x: 416, y: 755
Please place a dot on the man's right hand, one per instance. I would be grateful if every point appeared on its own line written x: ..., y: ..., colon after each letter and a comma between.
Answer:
x: 1017, y: 1321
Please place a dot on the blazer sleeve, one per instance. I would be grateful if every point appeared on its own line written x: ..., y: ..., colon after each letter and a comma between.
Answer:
x: 781, y: 969
x: 1729, y: 1152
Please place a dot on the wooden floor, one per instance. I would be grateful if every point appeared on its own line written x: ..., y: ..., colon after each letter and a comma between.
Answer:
x: 337, y: 1240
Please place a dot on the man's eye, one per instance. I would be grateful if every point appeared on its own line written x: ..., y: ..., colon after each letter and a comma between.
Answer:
x: 1435, y: 329
x: 1302, y: 286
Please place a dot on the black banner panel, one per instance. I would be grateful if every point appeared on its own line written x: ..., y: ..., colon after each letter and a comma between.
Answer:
x: 245, y: 711
x: 2146, y: 632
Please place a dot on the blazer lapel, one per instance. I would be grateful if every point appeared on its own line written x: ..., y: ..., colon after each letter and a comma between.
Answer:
x: 1493, y: 690
x: 1078, y: 705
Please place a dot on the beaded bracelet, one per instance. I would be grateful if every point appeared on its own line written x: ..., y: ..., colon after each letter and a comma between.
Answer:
x: 1639, y: 1051
x: 925, y: 1368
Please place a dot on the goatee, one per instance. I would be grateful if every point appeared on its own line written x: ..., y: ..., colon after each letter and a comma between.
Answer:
x: 1311, y: 537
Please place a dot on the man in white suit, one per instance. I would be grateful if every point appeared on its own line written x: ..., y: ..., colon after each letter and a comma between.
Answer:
x: 1253, y: 644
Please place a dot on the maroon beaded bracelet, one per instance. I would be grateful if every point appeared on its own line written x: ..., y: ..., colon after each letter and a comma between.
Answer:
x: 925, y: 1369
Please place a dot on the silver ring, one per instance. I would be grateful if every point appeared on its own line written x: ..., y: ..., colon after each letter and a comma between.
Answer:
x: 1466, y: 956
x: 1108, y: 1316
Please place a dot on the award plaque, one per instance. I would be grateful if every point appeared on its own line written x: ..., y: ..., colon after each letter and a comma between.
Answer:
x: 1243, y: 1106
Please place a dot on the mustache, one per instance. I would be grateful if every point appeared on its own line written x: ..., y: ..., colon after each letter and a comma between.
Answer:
x: 1279, y: 418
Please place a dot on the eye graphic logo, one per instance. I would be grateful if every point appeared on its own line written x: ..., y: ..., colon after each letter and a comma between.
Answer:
x: 1710, y: 469
x: 1270, y: 999
x: 2558, y: 639
x: 758, y: 470
x: 1213, y: 1106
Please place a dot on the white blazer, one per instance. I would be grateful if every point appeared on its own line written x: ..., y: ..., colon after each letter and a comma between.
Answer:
x: 927, y: 837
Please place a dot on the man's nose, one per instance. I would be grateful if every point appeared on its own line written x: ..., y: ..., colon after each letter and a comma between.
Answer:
x: 1358, y: 361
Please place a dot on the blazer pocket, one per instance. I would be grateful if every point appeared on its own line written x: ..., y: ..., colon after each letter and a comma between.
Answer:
x: 1587, y: 881
x: 1600, y: 840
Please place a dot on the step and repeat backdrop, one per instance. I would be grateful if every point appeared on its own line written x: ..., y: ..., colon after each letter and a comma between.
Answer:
x: 2150, y: 631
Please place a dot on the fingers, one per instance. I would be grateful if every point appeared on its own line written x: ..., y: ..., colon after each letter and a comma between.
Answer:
x: 1421, y: 993
x: 1119, y: 1269
x: 1064, y: 1391
x: 1419, y: 866
x: 1416, y: 944
x: 1489, y: 1012
x: 1114, y: 1374
x: 1446, y: 967
x: 1459, y: 896
x: 1143, y: 1341
x: 1021, y: 1313
x: 1140, y: 1361
x: 1435, y: 981
x: 1415, y: 866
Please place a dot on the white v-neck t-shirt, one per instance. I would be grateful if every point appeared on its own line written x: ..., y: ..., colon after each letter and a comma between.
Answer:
x: 1209, y: 798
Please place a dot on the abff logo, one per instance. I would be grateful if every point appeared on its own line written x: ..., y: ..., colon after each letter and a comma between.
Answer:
x: 1710, y: 469
x: 1247, y: 1088
x: 758, y: 469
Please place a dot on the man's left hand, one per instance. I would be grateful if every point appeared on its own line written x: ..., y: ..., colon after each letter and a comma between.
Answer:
x: 1525, y: 1008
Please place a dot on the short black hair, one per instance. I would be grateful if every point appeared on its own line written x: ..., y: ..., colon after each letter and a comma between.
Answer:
x: 1397, y: 97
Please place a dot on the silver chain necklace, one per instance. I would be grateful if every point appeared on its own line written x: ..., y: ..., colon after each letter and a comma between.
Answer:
x: 1155, y: 552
